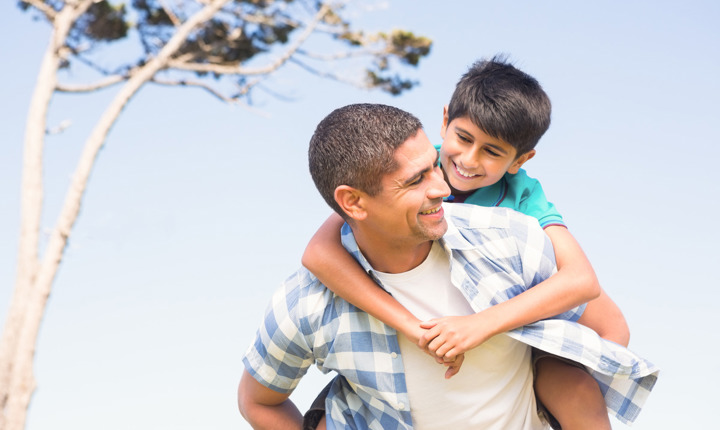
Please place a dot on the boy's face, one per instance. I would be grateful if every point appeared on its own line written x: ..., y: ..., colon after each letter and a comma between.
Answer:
x: 471, y: 159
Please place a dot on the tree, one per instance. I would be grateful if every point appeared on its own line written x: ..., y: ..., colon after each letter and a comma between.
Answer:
x: 226, y: 47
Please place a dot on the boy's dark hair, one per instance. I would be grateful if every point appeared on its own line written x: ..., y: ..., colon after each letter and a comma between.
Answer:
x: 355, y: 145
x: 503, y: 102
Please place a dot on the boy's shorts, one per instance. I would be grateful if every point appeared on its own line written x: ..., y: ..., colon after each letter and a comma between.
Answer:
x: 543, y: 413
x: 317, y: 410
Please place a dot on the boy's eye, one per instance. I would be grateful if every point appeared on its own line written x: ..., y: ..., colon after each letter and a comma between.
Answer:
x: 464, y: 138
x: 492, y: 152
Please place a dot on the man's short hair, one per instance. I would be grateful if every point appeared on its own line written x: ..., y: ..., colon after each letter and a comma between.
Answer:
x: 504, y: 102
x: 355, y: 146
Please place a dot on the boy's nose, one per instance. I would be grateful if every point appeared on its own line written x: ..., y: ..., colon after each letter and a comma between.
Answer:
x: 471, y: 157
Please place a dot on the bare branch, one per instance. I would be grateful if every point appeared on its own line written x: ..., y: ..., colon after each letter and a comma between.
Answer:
x: 328, y: 75
x: 107, y: 82
x: 237, y: 70
x: 176, y: 22
x: 344, y: 55
x: 40, y: 5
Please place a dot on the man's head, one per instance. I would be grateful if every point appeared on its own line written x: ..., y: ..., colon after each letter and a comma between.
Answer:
x: 355, y: 145
x: 496, y: 116
x: 374, y: 165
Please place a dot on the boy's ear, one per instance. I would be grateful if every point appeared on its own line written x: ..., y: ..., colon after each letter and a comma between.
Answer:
x: 351, y: 201
x: 517, y: 164
x: 443, y: 129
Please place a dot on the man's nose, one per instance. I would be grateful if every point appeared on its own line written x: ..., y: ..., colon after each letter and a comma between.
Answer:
x: 438, y: 188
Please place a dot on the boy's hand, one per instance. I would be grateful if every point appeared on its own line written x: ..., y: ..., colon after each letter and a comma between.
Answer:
x: 453, y: 366
x: 448, y: 337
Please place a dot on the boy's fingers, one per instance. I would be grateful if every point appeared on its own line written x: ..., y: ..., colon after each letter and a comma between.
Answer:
x: 428, y: 324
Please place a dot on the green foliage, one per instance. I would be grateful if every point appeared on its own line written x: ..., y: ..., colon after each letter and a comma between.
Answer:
x: 102, y: 22
x: 408, y: 47
x: 241, y: 31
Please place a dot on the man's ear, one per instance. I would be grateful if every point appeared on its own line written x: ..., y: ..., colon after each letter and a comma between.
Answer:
x: 517, y: 164
x: 351, y: 201
x: 443, y: 129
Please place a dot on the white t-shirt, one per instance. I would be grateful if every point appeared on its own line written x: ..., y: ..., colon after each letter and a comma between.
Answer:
x: 494, y: 388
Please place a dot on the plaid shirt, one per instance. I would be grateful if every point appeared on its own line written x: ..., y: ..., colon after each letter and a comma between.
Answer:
x: 495, y: 254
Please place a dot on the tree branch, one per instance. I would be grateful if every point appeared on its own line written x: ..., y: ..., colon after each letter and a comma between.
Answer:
x: 222, y: 97
x: 328, y: 75
x: 107, y: 82
x: 176, y: 22
x: 344, y: 55
x: 40, y: 5
x: 237, y: 70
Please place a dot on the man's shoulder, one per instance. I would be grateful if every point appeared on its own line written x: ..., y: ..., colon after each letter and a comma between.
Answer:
x: 302, y: 295
x: 469, y: 216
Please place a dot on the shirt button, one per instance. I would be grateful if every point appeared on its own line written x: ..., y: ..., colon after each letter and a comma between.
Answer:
x: 401, y: 406
x: 394, y: 355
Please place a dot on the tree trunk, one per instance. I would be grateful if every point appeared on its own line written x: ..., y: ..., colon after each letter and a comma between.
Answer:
x: 34, y: 281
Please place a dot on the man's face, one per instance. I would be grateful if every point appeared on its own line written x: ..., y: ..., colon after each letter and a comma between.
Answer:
x: 409, y: 207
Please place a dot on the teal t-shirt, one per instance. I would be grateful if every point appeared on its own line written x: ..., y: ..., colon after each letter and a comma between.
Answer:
x: 520, y: 192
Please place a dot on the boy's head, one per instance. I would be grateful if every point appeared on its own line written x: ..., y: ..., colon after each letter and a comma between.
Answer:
x: 502, y: 101
x: 496, y: 116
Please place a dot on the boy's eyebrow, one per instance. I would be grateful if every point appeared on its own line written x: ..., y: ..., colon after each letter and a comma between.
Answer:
x: 494, y: 146
x: 414, y: 177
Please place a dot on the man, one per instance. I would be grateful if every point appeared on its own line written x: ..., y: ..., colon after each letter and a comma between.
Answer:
x: 374, y: 166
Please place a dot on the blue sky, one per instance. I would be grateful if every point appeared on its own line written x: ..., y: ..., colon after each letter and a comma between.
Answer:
x: 197, y: 210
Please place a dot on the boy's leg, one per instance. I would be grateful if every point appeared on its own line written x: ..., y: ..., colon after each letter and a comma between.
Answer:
x: 314, y: 418
x: 570, y: 394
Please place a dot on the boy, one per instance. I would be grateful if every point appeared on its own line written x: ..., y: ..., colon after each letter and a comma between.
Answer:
x: 495, y: 117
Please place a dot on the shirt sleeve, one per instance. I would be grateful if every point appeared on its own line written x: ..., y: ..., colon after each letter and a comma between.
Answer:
x: 531, y: 200
x: 280, y: 355
x: 538, y: 258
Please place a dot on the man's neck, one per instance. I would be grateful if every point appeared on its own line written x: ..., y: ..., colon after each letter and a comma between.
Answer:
x: 393, y: 257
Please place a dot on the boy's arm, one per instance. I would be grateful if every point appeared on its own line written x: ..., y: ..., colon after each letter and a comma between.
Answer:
x: 574, y: 284
x: 327, y: 259
x: 264, y: 408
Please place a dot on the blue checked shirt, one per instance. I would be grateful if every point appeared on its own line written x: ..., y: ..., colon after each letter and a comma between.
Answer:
x: 495, y: 254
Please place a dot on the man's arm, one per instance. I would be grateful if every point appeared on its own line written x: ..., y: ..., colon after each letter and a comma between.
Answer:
x: 605, y: 317
x: 264, y: 408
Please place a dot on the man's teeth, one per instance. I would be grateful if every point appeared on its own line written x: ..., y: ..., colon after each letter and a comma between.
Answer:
x: 464, y: 173
x: 431, y: 211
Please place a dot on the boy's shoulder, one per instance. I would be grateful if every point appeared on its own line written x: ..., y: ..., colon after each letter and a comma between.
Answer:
x: 520, y: 179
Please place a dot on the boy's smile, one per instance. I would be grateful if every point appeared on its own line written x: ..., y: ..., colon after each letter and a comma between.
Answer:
x: 472, y: 159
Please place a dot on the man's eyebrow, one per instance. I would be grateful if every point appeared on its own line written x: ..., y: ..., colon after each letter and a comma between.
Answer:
x: 417, y: 175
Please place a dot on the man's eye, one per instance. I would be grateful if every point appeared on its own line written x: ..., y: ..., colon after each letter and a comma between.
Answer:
x: 417, y: 181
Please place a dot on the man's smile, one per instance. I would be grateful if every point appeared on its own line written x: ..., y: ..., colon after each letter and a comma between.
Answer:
x: 431, y: 211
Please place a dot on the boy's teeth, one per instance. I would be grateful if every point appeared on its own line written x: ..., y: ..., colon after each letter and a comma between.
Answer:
x: 464, y: 173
